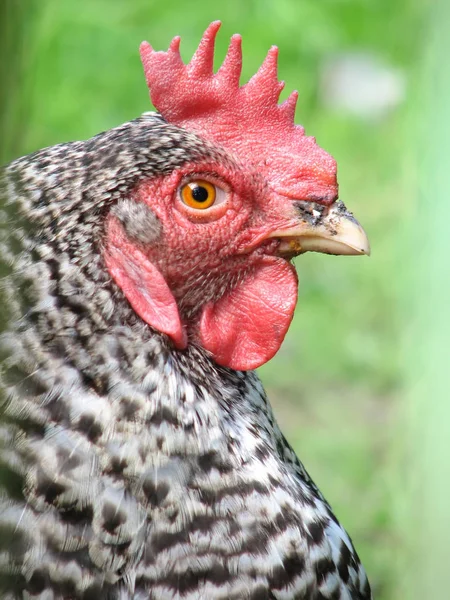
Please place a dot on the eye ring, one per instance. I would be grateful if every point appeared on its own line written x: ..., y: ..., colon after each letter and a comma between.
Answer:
x: 199, y: 194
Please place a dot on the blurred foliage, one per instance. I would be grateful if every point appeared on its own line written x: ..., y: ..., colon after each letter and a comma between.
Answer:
x: 425, y: 457
x: 335, y: 382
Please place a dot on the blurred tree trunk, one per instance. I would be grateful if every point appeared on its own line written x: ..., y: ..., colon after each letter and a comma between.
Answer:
x: 17, y: 18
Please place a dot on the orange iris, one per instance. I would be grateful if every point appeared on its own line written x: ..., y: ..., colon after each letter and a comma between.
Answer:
x: 198, y: 194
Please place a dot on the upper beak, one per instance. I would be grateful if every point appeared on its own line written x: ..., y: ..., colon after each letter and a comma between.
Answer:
x: 332, y: 230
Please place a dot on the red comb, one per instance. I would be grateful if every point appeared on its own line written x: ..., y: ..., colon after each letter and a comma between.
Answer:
x: 244, y: 119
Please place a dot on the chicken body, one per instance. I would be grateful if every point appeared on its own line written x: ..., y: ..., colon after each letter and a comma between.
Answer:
x: 133, y: 470
x: 148, y: 273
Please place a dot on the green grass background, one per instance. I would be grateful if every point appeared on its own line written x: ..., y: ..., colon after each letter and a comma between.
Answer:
x: 337, y: 384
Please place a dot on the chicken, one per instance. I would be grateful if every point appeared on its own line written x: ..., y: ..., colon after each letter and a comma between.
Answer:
x: 148, y: 274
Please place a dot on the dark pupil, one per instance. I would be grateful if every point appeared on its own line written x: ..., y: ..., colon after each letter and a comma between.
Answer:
x: 200, y: 194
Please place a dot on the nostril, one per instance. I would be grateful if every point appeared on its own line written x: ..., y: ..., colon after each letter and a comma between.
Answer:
x: 312, y: 212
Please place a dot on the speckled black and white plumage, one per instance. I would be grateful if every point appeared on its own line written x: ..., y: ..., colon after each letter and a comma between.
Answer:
x: 132, y: 470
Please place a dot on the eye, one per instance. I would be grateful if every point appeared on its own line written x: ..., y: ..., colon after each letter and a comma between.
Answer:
x: 201, y: 194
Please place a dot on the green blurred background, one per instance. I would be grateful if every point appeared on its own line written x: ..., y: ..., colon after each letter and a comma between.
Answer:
x: 343, y: 385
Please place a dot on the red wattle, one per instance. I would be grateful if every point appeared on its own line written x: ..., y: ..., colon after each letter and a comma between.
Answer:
x: 246, y: 327
x: 143, y: 285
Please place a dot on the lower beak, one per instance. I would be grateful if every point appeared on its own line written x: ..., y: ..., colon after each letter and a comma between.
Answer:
x: 332, y: 230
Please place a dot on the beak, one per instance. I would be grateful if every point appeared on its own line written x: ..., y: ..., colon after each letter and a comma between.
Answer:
x: 331, y: 230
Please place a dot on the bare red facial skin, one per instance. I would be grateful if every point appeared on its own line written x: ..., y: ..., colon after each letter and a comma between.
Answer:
x: 202, y: 254
x: 218, y: 283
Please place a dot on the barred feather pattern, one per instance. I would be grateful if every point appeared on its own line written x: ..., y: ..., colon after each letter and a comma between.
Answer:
x: 131, y: 470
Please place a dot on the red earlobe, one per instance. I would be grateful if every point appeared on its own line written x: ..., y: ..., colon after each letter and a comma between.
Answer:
x: 143, y: 285
x: 246, y: 327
